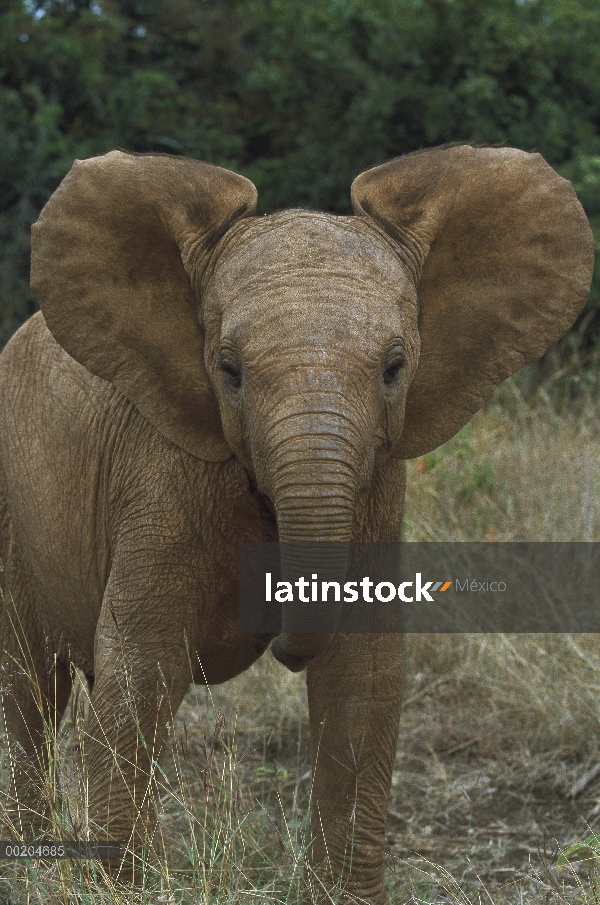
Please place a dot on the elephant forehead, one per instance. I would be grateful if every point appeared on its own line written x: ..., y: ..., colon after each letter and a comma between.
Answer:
x: 319, y: 249
x: 302, y: 275
x: 300, y: 314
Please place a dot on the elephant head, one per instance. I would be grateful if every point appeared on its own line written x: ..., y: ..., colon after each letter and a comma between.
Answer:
x: 311, y: 346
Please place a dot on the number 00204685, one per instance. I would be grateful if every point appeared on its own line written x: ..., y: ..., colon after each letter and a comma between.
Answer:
x: 48, y: 848
x: 32, y: 850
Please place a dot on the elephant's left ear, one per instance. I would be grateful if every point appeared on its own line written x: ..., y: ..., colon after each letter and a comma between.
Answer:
x: 502, y: 254
x: 117, y: 259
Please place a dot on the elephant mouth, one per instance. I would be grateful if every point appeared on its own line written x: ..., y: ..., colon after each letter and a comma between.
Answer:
x: 293, y: 662
x: 295, y: 650
x: 309, y: 626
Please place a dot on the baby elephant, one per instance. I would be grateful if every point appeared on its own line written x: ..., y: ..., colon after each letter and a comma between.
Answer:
x: 200, y: 376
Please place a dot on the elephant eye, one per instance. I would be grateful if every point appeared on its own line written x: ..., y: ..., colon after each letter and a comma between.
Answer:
x: 392, y: 372
x: 234, y: 378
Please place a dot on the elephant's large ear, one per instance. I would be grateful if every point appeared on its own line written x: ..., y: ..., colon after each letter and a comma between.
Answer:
x: 115, y: 253
x: 503, y: 255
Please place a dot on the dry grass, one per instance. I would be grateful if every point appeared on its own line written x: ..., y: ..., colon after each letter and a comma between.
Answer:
x: 519, y: 471
x: 496, y: 733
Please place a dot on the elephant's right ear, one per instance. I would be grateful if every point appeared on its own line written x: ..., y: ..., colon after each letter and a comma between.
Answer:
x: 114, y: 255
x: 503, y: 256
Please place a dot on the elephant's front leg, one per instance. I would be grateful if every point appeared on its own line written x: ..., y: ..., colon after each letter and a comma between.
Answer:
x: 142, y: 674
x: 354, y: 692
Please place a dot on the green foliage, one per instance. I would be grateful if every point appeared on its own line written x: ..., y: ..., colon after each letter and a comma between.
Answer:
x: 299, y: 95
x: 584, y: 173
x: 465, y: 481
x: 587, y: 851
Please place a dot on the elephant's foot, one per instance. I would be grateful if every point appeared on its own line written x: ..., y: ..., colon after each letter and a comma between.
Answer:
x: 346, y: 875
x: 320, y: 891
x: 131, y: 836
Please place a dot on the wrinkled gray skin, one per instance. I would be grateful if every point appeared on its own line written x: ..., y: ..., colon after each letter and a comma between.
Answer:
x: 120, y: 545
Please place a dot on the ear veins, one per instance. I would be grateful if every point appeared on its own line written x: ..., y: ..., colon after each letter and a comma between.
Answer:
x: 198, y: 252
x: 406, y: 246
x: 217, y: 232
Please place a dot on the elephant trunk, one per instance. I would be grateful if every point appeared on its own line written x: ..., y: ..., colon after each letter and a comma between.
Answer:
x: 309, y: 622
x: 313, y: 486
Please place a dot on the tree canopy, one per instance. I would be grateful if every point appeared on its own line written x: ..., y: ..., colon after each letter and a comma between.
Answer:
x: 298, y: 95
